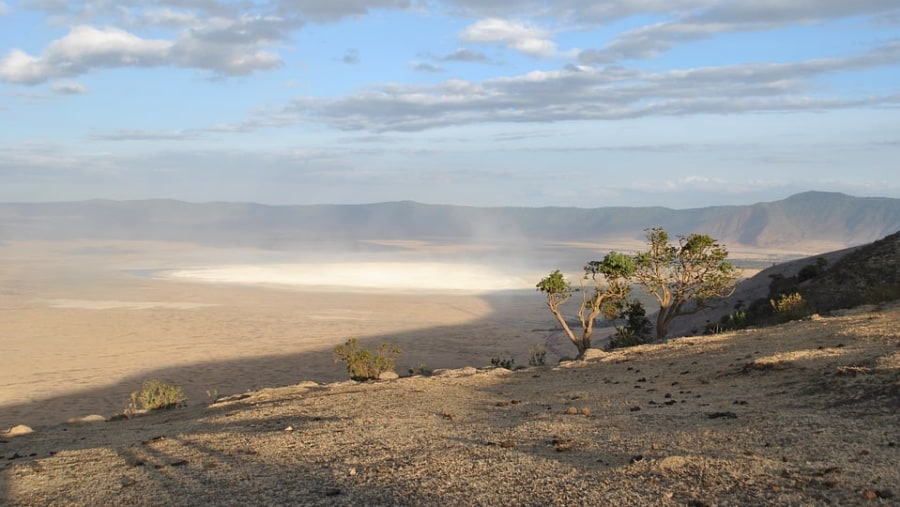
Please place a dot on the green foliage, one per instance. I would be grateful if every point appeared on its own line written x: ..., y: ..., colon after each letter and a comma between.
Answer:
x: 156, y: 395
x: 812, y: 270
x: 508, y: 363
x: 791, y: 307
x: 604, y: 283
x: 364, y: 364
x: 555, y: 285
x: 684, y: 278
x: 881, y: 293
x: 733, y: 321
x: 537, y: 355
x: 637, y: 328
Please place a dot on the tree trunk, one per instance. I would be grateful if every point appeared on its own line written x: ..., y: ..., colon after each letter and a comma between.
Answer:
x: 662, y: 323
x: 565, y: 325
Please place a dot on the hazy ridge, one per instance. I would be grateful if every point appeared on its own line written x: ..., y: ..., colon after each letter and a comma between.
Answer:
x: 813, y: 221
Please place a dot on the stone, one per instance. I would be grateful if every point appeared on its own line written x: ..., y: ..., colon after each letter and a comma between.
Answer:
x: 388, y: 375
x: 18, y: 431
x: 93, y: 418
x: 590, y: 354
x: 571, y: 411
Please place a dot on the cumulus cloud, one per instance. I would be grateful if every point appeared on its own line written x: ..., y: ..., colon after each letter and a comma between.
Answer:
x: 84, y: 48
x: 223, y: 38
x: 426, y: 68
x: 519, y: 36
x: 87, y: 48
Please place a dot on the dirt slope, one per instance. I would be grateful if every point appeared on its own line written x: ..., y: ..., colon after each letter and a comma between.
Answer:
x: 806, y: 413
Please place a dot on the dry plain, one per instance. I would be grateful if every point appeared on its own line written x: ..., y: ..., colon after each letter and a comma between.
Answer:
x: 82, y: 325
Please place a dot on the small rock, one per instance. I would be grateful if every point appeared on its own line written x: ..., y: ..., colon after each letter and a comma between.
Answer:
x: 179, y: 463
x: 593, y: 354
x: 885, y: 494
x: 563, y: 444
x: 870, y: 495
x: 289, y: 428
x: 388, y: 375
x: 18, y: 431
x: 127, y: 481
x: 635, y: 409
x: 332, y: 492
x: 585, y: 411
x: 571, y: 411
x: 721, y: 415
x: 506, y: 444
x: 352, y: 472
x: 93, y: 418
x: 636, y: 459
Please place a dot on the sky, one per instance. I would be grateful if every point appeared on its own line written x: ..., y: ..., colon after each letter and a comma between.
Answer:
x: 677, y: 103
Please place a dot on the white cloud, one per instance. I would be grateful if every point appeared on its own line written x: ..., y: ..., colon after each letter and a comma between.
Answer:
x: 4, y: 8
x: 598, y: 93
x: 522, y: 37
x: 68, y: 88
x: 83, y: 49
x: 464, y: 55
x: 735, y: 16
x: 221, y: 46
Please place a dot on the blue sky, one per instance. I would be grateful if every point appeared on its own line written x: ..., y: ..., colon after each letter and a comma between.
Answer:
x: 679, y: 103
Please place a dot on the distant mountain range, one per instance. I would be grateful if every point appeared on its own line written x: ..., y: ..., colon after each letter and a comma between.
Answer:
x: 811, y: 222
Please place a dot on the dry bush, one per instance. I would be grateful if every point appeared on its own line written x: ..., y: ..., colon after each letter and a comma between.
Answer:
x: 156, y: 395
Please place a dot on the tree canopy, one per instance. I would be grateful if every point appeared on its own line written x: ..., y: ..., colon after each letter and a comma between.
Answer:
x: 684, y: 278
x: 604, y: 283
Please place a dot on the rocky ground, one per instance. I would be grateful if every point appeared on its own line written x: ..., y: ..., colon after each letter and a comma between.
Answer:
x: 806, y: 413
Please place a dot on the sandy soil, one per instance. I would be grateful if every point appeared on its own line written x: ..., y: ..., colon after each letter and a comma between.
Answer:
x: 803, y: 414
x: 82, y: 326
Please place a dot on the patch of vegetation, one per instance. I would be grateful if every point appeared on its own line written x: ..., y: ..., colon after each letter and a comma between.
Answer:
x: 421, y: 369
x: 503, y: 362
x: 364, y: 364
x: 812, y: 270
x: 637, y: 328
x: 738, y: 319
x: 537, y: 355
x: 791, y: 307
x: 156, y: 395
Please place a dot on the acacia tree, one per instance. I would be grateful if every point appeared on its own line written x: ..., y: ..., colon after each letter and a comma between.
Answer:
x: 683, y: 278
x: 604, y: 283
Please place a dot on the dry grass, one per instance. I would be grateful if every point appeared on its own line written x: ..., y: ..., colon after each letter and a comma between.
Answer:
x: 807, y: 413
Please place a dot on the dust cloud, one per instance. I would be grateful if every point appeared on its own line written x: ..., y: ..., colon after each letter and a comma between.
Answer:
x: 365, y: 276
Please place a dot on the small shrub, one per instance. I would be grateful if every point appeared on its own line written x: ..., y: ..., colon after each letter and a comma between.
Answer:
x: 156, y: 395
x: 508, y: 363
x: 364, y: 364
x: 537, y: 355
x: 791, y: 306
x: 637, y: 329
x: 420, y: 370
x: 731, y: 322
x: 881, y: 293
